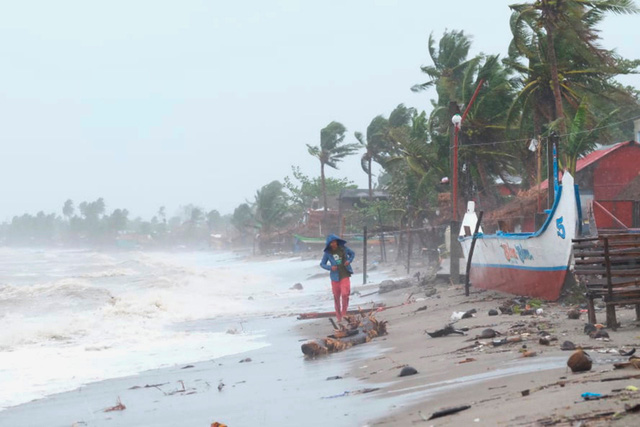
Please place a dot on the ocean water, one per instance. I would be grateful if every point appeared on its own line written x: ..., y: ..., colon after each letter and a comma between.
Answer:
x: 70, y: 317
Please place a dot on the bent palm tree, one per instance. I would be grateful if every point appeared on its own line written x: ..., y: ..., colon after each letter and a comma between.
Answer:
x: 331, y: 151
x: 374, y: 145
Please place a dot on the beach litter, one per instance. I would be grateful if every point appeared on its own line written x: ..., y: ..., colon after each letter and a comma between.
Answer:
x: 118, y: 407
x: 592, y: 396
x: 351, y: 393
x: 579, y: 361
x: 448, y: 411
x: 407, y: 370
x: 634, y: 362
x: 358, y: 330
x: 447, y: 330
x: 627, y: 353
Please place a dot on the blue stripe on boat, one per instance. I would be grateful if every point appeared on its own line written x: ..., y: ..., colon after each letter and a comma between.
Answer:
x: 521, y: 267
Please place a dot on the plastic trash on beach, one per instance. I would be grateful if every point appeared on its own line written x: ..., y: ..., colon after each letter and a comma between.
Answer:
x: 457, y: 315
x: 591, y: 396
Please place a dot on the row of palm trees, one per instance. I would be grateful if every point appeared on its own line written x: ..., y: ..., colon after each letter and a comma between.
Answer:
x: 555, y: 78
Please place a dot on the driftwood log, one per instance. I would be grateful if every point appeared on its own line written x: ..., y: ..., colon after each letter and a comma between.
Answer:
x: 359, y: 329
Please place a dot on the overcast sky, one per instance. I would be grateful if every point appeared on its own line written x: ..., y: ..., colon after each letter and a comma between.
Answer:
x: 151, y: 103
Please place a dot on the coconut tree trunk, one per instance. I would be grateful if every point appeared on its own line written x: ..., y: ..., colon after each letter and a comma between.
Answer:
x: 370, y: 188
x: 555, y: 80
x: 324, y: 191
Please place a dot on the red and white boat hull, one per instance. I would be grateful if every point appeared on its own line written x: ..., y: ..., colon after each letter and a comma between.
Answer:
x: 530, y: 264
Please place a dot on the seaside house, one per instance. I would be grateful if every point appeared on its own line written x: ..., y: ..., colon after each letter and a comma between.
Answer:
x: 609, y: 184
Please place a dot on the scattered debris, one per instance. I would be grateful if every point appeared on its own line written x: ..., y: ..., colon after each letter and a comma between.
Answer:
x: 634, y: 362
x: 351, y: 393
x: 358, y: 330
x: 574, y: 313
x: 118, y: 407
x: 335, y: 377
x: 447, y: 330
x: 220, y: 385
x: 135, y: 387
x: 457, y: 315
x: 449, y: 411
x: 245, y: 360
x: 600, y: 333
x: 407, y: 370
x: 467, y: 360
x: 507, y: 340
x: 392, y: 285
x: 580, y: 361
x: 323, y: 314
x: 627, y: 353
x: 488, y: 333
x: 592, y: 396
x: 187, y: 367
x: 217, y: 424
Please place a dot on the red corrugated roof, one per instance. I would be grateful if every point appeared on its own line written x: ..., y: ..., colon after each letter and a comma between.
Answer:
x: 591, y: 158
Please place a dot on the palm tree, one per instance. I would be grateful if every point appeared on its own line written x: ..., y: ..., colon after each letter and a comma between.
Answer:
x: 270, y: 206
x: 449, y: 70
x: 374, y: 145
x: 570, y: 22
x: 331, y: 151
x: 584, y: 135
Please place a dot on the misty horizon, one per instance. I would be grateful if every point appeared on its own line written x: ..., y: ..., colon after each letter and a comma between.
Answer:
x: 152, y: 104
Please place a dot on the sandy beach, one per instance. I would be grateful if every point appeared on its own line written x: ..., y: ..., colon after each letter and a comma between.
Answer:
x: 277, y: 385
x: 499, y: 384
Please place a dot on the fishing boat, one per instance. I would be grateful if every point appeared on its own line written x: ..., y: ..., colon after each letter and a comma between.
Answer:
x: 529, y: 264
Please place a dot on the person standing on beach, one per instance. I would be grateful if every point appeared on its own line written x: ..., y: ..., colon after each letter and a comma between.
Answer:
x: 337, y: 260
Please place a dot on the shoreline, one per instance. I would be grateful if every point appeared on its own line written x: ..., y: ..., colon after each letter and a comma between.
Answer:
x: 277, y: 370
x: 279, y: 386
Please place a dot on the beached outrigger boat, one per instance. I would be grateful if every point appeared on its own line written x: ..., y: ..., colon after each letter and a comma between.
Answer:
x: 528, y: 264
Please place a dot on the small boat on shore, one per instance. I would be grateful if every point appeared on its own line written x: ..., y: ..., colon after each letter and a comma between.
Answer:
x: 528, y: 264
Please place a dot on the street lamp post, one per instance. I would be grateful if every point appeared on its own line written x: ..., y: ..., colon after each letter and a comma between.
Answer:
x: 454, y: 255
x: 457, y: 122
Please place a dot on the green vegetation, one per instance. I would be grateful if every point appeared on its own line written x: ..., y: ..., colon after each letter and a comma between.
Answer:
x: 555, y: 77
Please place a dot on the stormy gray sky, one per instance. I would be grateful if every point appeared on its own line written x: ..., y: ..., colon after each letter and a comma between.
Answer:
x: 159, y: 102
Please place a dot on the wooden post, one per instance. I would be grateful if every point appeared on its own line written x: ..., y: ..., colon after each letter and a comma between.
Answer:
x: 454, y: 253
x: 364, y: 256
x: 591, y: 309
x: 551, y: 194
x: 409, y: 250
x: 539, y: 170
x: 467, y: 283
x: 611, y: 309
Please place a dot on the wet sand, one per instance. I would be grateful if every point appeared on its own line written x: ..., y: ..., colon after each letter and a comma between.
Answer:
x: 280, y: 387
x: 277, y: 386
x: 500, y: 385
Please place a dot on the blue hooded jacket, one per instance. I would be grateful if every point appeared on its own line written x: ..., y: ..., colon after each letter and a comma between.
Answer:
x: 328, y: 261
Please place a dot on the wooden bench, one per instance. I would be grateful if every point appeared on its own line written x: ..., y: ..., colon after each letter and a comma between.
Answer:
x: 609, y: 268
